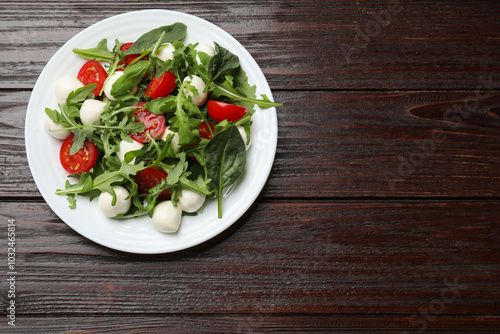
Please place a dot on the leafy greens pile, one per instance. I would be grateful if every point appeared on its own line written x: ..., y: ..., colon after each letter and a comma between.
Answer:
x: 206, y: 166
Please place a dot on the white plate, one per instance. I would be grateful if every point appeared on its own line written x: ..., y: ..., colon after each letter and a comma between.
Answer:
x: 138, y: 235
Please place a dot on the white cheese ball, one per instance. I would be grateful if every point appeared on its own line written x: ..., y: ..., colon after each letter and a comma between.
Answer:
x: 175, y: 139
x: 64, y: 86
x: 199, y: 84
x: 166, y: 52
x: 121, y: 206
x: 166, y: 217
x: 206, y: 48
x: 91, y: 110
x: 109, y: 84
x: 54, y: 129
x: 125, y: 147
x: 244, y: 136
x: 190, y: 200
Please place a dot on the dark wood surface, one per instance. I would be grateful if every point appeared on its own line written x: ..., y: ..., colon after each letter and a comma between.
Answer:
x: 382, y: 210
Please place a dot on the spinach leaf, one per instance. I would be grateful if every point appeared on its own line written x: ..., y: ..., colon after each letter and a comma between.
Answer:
x: 99, y: 53
x: 225, y: 160
x: 78, y: 96
x: 131, y: 77
x: 171, y: 33
x: 222, y: 62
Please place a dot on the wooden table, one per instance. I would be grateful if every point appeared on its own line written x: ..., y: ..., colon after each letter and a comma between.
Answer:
x: 382, y: 210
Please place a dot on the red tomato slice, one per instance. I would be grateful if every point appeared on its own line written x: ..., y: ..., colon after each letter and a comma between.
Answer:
x: 162, y: 86
x: 93, y: 72
x: 220, y: 111
x: 155, y: 124
x: 150, y: 177
x: 81, y: 161
x: 206, y: 130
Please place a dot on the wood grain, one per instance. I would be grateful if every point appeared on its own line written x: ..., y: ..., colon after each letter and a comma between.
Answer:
x: 351, y: 144
x: 280, y: 258
x: 381, y: 213
x: 252, y: 323
x: 382, y: 45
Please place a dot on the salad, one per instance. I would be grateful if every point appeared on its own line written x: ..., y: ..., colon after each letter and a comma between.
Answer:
x: 154, y: 127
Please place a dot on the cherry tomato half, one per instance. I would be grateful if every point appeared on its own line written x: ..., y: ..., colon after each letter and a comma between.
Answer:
x: 206, y: 130
x: 150, y: 177
x: 220, y: 111
x: 93, y: 72
x: 162, y: 86
x: 155, y: 124
x: 81, y: 161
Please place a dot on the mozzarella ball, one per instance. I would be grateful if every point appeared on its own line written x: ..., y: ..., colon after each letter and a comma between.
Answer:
x: 91, y: 110
x: 244, y: 136
x: 64, y: 86
x: 199, y: 84
x: 206, y: 48
x: 166, y: 52
x: 54, y: 129
x: 121, y: 206
x: 190, y: 201
x: 125, y: 147
x: 166, y: 217
x: 175, y: 139
x: 109, y: 85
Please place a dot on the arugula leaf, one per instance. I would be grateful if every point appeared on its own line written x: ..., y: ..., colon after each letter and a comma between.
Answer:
x: 186, y: 120
x: 162, y: 105
x: 227, y: 90
x: 225, y: 160
x: 155, y: 151
x: 200, y: 184
x: 99, y: 53
x: 57, y: 117
x: 102, y: 182
x: 81, y: 134
x: 147, y: 41
x: 72, y: 201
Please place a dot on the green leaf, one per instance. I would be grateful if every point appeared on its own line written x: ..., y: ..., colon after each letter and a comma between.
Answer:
x: 222, y: 62
x: 225, y: 160
x: 57, y: 117
x: 102, y: 182
x: 131, y: 77
x: 72, y: 201
x: 186, y: 121
x: 162, y: 105
x: 79, y: 95
x: 99, y: 53
x: 227, y: 90
x: 175, y: 173
x: 81, y: 134
x: 147, y: 41
x: 200, y: 185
